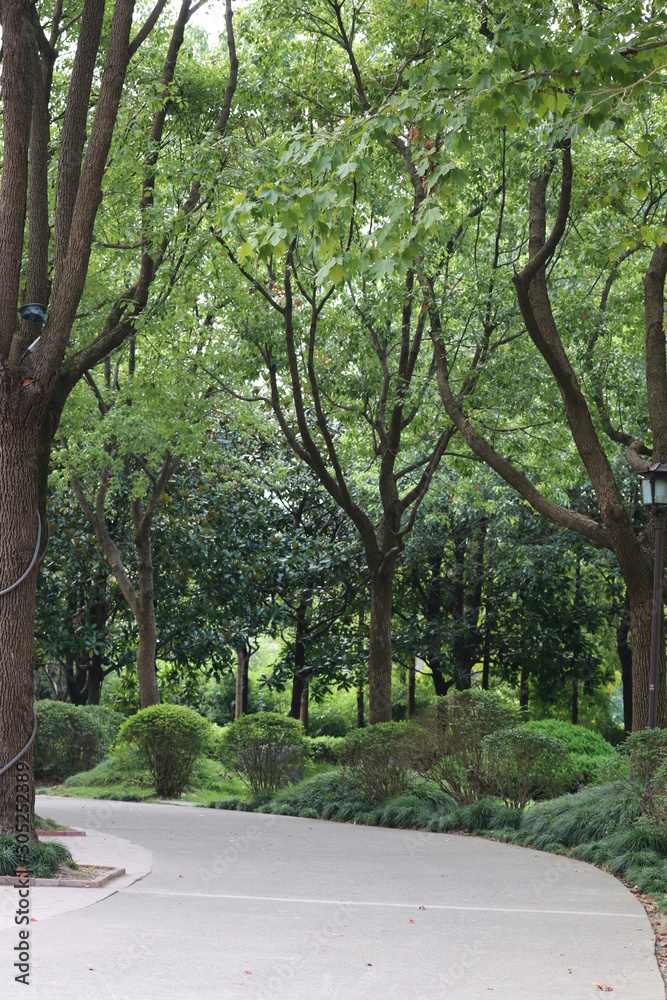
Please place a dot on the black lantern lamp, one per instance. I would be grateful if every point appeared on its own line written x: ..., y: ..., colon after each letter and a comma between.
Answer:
x: 654, y: 496
x: 34, y: 312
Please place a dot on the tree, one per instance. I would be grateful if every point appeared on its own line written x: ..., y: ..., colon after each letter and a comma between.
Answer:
x: 333, y: 311
x: 77, y: 111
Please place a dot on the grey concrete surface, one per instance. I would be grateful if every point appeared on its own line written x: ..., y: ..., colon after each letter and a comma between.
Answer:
x: 263, y: 907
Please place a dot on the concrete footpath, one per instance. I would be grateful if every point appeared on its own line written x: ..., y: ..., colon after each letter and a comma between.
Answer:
x: 244, y: 905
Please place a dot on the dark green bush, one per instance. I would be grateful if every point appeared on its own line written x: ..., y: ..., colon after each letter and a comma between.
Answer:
x: 326, y: 749
x: 591, y: 753
x: 40, y: 860
x: 267, y: 750
x: 446, y: 741
x: 375, y: 760
x: 521, y: 764
x: 70, y: 738
x: 168, y: 739
x: 109, y: 720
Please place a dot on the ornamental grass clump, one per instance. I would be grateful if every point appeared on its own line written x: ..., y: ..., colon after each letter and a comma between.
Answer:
x: 168, y: 740
x: 521, y: 764
x: 446, y: 741
x: 41, y: 859
x: 376, y: 759
x: 266, y: 750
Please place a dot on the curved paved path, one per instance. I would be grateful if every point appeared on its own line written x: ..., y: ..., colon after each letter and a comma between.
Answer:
x: 263, y: 907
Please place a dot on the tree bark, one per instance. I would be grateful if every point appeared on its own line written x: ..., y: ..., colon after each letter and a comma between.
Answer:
x: 149, y: 691
x: 297, y: 691
x: 303, y: 707
x: 242, y: 661
x: 411, y: 688
x: 524, y: 690
x: 625, y: 657
x: 379, y: 684
x: 360, y: 705
x: 18, y: 535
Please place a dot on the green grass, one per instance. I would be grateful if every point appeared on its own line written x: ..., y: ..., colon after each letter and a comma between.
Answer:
x: 44, y: 823
x: 121, y: 777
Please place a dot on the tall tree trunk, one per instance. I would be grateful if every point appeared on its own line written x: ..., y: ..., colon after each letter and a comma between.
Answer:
x: 641, y: 619
x: 18, y: 536
x: 411, y: 688
x: 242, y: 661
x: 147, y: 646
x: 625, y: 657
x: 440, y: 685
x: 303, y: 708
x: 524, y: 690
x: 379, y: 683
x: 360, y: 705
x: 486, y: 662
x: 575, y: 701
x: 297, y: 691
x: 300, y: 681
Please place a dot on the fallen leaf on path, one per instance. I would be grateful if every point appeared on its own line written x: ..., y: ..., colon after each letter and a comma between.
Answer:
x: 422, y: 907
x: 604, y: 987
x: 336, y: 935
x: 411, y: 920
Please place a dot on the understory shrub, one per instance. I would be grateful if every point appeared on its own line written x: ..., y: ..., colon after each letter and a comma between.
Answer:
x: 267, y: 750
x: 646, y: 752
x: 41, y: 860
x: 326, y: 749
x: 446, y: 741
x: 375, y: 760
x: 70, y: 738
x: 591, y: 754
x: 521, y: 764
x: 168, y: 739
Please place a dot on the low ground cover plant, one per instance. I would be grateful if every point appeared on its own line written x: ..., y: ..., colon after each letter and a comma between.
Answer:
x: 168, y: 740
x: 266, y: 750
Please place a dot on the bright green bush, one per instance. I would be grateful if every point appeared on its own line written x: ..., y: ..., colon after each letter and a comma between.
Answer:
x: 521, y: 764
x: 446, y: 741
x: 267, y: 750
x: 168, y: 739
x: 70, y: 738
x: 591, y: 753
x: 375, y: 760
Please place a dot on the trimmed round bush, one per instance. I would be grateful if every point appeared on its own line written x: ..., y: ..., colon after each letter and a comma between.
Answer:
x: 168, y: 739
x: 375, y: 760
x: 591, y: 753
x: 446, y: 741
x: 522, y: 764
x: 267, y: 750
x: 326, y: 749
x: 70, y: 738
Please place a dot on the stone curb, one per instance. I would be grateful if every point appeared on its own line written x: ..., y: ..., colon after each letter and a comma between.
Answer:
x: 106, y: 874
x: 71, y: 832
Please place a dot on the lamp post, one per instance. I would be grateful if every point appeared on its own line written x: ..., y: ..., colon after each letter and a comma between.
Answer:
x: 654, y: 496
